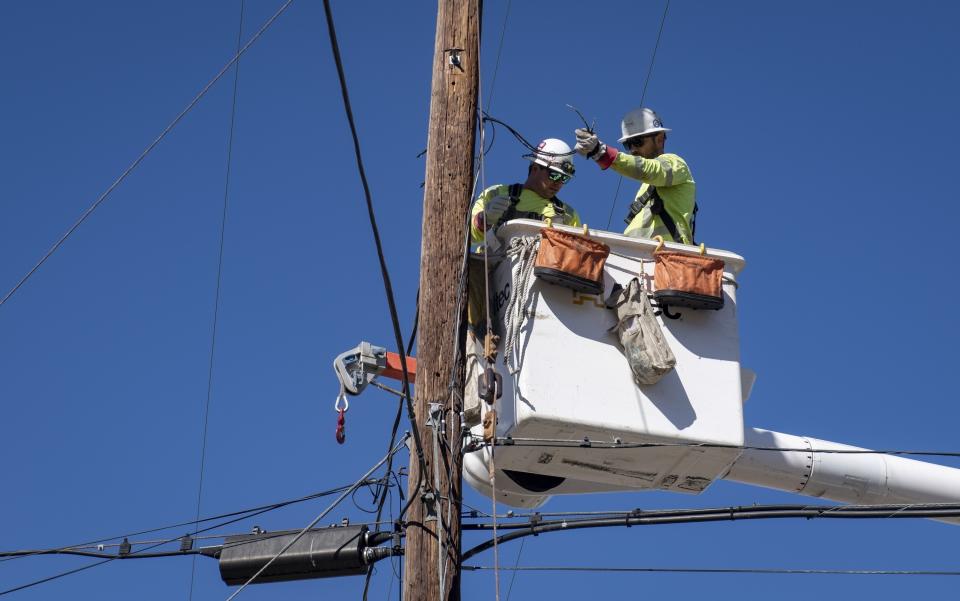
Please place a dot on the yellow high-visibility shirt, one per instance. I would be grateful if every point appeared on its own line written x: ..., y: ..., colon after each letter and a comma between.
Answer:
x: 671, y: 177
x: 530, y: 206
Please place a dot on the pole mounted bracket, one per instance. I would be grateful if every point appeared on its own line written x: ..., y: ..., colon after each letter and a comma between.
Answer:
x: 453, y: 57
x: 435, y: 419
x: 429, y: 506
x: 360, y: 365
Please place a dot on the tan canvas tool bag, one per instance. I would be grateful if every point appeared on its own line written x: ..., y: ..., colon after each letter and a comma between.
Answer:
x: 571, y: 260
x: 643, y: 343
x: 682, y: 280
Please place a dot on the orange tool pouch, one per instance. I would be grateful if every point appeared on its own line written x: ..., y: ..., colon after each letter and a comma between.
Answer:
x: 682, y: 280
x: 570, y: 260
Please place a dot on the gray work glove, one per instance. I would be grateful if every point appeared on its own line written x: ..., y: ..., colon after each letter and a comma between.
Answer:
x: 495, y: 209
x: 588, y: 144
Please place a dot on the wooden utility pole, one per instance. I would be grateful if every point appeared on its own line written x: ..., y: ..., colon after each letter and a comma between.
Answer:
x: 447, y: 191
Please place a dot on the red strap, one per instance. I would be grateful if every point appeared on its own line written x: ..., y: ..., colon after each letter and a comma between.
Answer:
x: 607, y: 158
x: 341, y: 427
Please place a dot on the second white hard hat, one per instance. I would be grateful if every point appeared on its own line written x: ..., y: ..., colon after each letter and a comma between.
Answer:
x: 640, y: 122
x: 553, y: 154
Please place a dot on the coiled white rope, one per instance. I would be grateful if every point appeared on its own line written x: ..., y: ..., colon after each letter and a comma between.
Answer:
x: 523, y: 249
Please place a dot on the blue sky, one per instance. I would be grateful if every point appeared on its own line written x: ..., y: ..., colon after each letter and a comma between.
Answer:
x: 821, y: 136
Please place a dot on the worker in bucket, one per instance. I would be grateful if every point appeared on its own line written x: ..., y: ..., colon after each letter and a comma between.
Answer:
x: 666, y: 203
x: 551, y: 167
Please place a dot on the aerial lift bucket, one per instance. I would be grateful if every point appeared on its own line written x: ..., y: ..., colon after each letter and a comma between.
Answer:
x: 572, y: 420
x: 569, y: 381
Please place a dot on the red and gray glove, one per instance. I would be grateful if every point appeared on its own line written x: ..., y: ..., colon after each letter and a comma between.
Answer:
x: 590, y: 146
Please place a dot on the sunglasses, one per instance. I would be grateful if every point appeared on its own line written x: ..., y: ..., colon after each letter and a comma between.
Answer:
x: 635, y: 142
x: 556, y: 176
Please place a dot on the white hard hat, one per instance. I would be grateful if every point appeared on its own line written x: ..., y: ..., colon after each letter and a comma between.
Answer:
x: 640, y: 122
x: 555, y: 155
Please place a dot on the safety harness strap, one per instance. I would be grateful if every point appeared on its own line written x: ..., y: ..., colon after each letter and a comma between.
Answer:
x: 559, y: 209
x: 652, y: 197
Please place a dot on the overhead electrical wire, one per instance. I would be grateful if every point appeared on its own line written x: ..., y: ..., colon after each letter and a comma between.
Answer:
x: 101, y: 554
x: 239, y: 515
x: 643, y: 96
x: 211, y: 551
x: 216, y: 299
x: 516, y: 568
x: 393, y: 433
x: 520, y: 138
x: 263, y: 28
x: 131, y: 555
x: 607, y: 445
x: 496, y: 65
x: 768, y: 571
x: 481, y: 163
x: 536, y: 517
x: 317, y: 519
x: 142, y: 552
x: 719, y: 514
x: 388, y: 288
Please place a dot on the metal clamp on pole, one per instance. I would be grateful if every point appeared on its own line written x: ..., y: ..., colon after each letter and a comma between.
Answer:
x: 359, y: 366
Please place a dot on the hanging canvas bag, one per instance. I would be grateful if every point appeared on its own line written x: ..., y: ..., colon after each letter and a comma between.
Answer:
x: 643, y: 343
x: 683, y: 280
x: 570, y: 260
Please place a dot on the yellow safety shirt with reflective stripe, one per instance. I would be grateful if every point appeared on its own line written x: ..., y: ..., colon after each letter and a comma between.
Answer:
x: 674, y: 183
x: 530, y: 202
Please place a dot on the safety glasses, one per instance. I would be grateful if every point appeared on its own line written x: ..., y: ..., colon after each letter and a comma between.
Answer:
x: 635, y: 142
x: 556, y: 176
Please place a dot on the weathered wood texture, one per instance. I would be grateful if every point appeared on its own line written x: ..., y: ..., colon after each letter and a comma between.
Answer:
x: 447, y: 195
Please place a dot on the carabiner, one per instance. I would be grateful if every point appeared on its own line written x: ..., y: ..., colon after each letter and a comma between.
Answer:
x: 342, y: 404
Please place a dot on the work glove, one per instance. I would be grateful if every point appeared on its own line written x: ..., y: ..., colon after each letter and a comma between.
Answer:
x: 588, y: 144
x: 495, y: 209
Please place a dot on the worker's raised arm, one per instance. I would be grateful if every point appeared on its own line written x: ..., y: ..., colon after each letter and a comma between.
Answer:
x: 663, y: 171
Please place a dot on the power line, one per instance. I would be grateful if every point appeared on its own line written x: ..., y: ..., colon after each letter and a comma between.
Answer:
x: 496, y: 65
x: 385, y: 274
x: 718, y: 570
x: 142, y: 553
x: 613, y: 205
x: 132, y: 555
x: 516, y: 568
x: 388, y: 288
x: 717, y: 514
x: 149, y: 148
x: 586, y: 443
x: 239, y: 515
x: 316, y: 520
x: 393, y: 434
x: 520, y: 138
x: 653, y: 58
x: 537, y: 517
x: 643, y: 96
x: 100, y: 554
x: 216, y: 301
